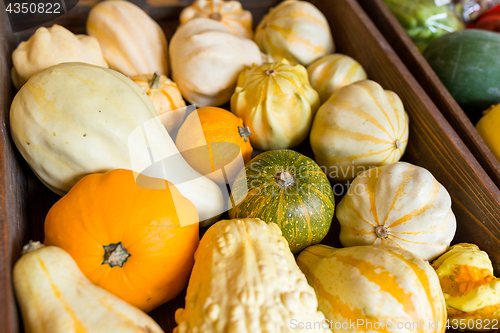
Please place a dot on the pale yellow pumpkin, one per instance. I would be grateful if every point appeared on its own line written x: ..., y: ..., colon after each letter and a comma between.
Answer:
x: 52, y: 46
x: 246, y: 280
x: 206, y: 58
x: 374, y: 289
x: 360, y: 126
x: 332, y: 72
x: 399, y: 204
x: 54, y: 296
x: 166, y: 98
x: 294, y: 30
x: 238, y: 20
x: 131, y: 41
x: 277, y: 103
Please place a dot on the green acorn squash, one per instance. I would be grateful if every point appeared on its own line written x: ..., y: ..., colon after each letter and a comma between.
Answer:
x: 289, y: 189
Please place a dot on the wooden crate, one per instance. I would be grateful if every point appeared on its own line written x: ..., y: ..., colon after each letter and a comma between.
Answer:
x: 24, y: 201
x: 425, y: 75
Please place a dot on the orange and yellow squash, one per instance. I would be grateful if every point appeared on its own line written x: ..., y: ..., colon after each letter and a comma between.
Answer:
x: 374, y: 289
x: 296, y: 31
x: 238, y: 20
x: 136, y: 240
x: 471, y: 291
x: 246, y: 280
x: 401, y: 205
x: 360, y: 126
x: 222, y: 142
x: 166, y: 98
x: 54, y: 296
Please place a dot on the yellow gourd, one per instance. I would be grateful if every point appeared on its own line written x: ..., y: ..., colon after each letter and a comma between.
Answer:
x: 238, y: 20
x: 332, y: 72
x: 166, y: 98
x: 131, y: 41
x: 296, y: 31
x: 277, y: 103
x: 54, y: 296
x: 374, y: 289
x: 245, y: 280
x: 360, y: 126
x: 401, y: 205
x: 488, y: 129
x: 52, y: 46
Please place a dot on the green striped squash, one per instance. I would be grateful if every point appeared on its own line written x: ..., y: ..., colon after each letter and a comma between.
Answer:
x: 289, y: 189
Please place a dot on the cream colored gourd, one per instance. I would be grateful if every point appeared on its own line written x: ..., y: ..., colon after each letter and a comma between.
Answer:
x: 206, y: 58
x: 332, y: 72
x: 238, y: 20
x: 360, y: 126
x: 54, y: 296
x: 296, y: 31
x: 245, y: 280
x: 52, y: 46
x: 277, y: 103
x: 399, y: 204
x: 75, y: 119
x: 374, y: 289
x: 131, y: 41
x: 166, y: 98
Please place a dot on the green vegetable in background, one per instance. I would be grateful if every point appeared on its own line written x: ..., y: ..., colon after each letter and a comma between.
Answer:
x: 423, y: 20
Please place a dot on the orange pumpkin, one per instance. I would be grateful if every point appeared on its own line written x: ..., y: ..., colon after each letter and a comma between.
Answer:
x: 127, y: 238
x: 226, y: 137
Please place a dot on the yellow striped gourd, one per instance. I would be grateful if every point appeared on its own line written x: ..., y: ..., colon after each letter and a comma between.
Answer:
x: 360, y: 126
x: 332, y: 72
x: 399, y: 204
x: 374, y: 289
x: 296, y: 31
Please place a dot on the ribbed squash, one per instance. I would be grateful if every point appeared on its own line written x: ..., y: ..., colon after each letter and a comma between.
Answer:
x: 245, y: 280
x: 136, y: 240
x: 289, y: 189
x: 277, y: 103
x: 374, y: 289
x: 360, y: 126
x: 166, y: 98
x: 399, y: 204
x: 54, y: 296
x: 471, y: 291
x: 296, y: 31
x: 332, y: 72
x: 206, y: 58
x: 131, y: 41
x: 74, y: 119
x: 52, y: 46
x: 222, y: 142
x: 238, y: 20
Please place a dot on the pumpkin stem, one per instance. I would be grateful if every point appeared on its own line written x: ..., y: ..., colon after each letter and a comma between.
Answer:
x: 155, y: 81
x: 115, y: 255
x: 31, y: 247
x: 398, y: 144
x: 381, y: 231
x: 271, y: 71
x: 244, y: 132
x: 284, y: 179
x: 216, y: 16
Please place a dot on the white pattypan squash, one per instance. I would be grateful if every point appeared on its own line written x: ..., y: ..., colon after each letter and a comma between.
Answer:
x: 238, y: 20
x: 277, y: 103
x: 294, y: 30
x: 401, y: 205
x: 131, y: 41
x: 360, y: 126
x: 52, y: 46
x: 206, y: 58
x: 332, y: 72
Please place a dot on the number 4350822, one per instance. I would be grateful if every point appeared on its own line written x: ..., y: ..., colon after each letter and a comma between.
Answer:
x: 40, y: 8
x: 464, y: 324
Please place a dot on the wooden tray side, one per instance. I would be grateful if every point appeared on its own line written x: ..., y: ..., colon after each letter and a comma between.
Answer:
x: 398, y: 38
